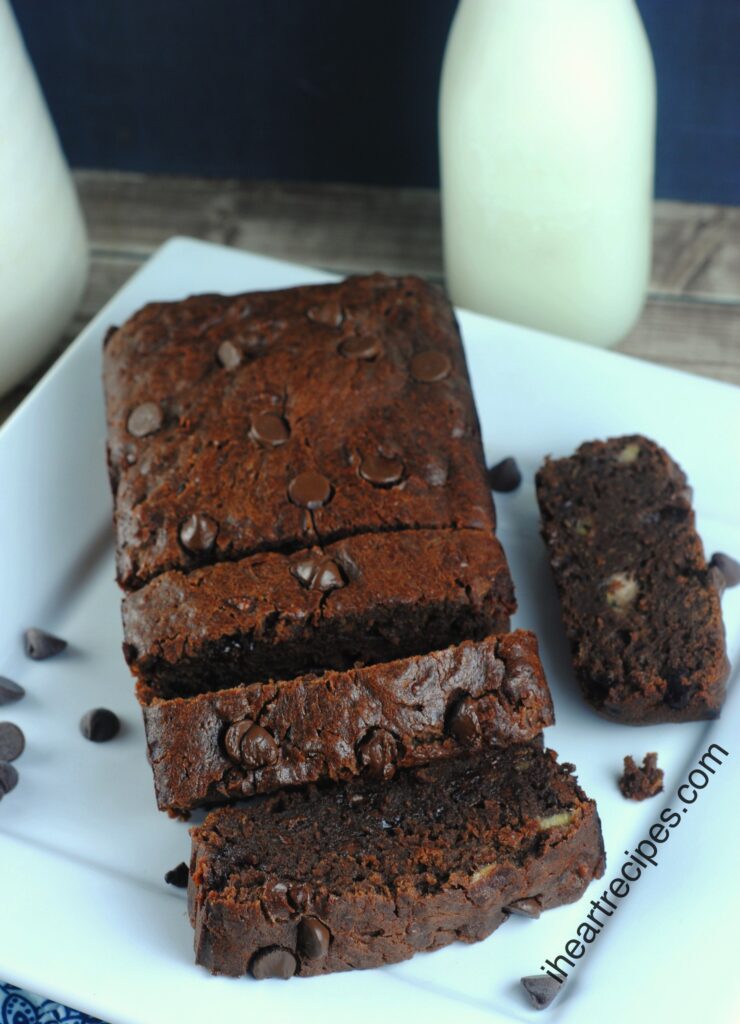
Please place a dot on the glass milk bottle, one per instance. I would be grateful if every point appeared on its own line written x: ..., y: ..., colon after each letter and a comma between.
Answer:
x: 43, y: 246
x: 547, y: 127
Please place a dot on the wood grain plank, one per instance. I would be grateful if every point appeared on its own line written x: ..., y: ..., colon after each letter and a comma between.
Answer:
x: 338, y: 227
x: 696, y: 251
x: 700, y: 337
x: 355, y: 228
x: 691, y: 320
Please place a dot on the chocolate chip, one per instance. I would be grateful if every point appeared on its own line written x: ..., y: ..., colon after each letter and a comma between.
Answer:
x: 228, y: 355
x: 233, y: 739
x: 40, y: 645
x: 528, y: 907
x: 145, y: 419
x: 330, y: 314
x: 309, y: 489
x: 728, y: 567
x: 328, y: 576
x: 273, y: 962
x: 99, y: 725
x: 8, y: 778
x: 10, y: 691
x: 198, y: 533
x: 250, y: 745
x: 318, y: 572
x: 463, y: 723
x: 313, y: 938
x: 178, y: 876
x: 679, y: 693
x: 269, y: 429
x: 430, y: 366
x: 380, y: 471
x: 258, y: 748
x: 505, y: 476
x: 377, y: 754
x: 360, y: 348
x: 304, y: 569
x: 12, y: 741
x: 541, y: 989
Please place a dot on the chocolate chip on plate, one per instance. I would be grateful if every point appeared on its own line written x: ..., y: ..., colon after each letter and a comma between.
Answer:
x: 430, y: 366
x: 99, y: 725
x: 145, y: 419
x: 198, y: 533
x: 12, y: 741
x: 269, y: 429
x: 273, y: 962
x: 380, y: 471
x: 228, y: 355
x: 8, y: 778
x: 505, y: 476
x: 541, y: 990
x: 309, y: 489
x: 367, y: 348
x: 729, y: 567
x: 10, y: 691
x: 40, y: 645
x: 178, y: 876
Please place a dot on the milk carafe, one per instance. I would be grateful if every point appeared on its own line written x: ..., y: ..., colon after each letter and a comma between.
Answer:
x: 547, y: 126
x: 43, y: 245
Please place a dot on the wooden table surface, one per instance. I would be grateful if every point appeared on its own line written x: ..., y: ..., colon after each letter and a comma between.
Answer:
x: 691, y: 319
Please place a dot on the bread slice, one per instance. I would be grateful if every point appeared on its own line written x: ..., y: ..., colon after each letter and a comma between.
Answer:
x: 362, y: 874
x: 366, y: 599
x: 233, y: 743
x: 641, y: 606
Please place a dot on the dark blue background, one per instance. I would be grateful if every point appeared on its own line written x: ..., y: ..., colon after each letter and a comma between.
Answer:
x: 333, y: 90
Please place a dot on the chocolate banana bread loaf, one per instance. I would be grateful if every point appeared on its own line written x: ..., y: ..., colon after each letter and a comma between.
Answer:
x: 366, y: 599
x: 366, y: 721
x: 277, y: 421
x: 362, y: 874
x: 640, y: 605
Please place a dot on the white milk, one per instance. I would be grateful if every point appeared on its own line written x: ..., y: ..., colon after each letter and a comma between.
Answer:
x: 547, y: 126
x: 43, y: 247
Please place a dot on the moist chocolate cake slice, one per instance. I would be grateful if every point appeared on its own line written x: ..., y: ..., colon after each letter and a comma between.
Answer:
x: 640, y: 605
x: 366, y: 721
x: 360, y: 874
x: 275, y: 421
x: 365, y: 599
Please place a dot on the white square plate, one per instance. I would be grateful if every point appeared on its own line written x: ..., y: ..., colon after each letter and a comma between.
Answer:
x: 85, y: 915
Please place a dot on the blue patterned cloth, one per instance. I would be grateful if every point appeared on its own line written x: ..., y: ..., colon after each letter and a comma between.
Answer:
x: 19, y: 1007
